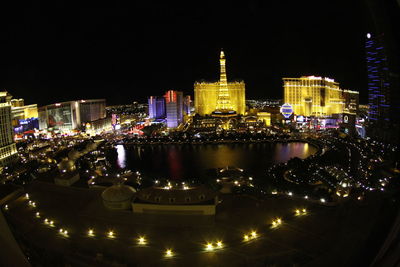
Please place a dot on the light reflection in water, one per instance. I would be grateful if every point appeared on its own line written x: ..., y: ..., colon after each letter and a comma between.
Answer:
x: 121, y: 156
x: 192, y: 161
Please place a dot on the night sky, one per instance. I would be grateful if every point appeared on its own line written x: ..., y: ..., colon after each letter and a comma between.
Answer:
x: 60, y: 52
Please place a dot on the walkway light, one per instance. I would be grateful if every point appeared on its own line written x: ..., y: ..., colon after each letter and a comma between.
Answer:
x: 90, y: 232
x: 141, y: 240
x: 110, y: 234
x: 169, y: 253
x: 209, y: 247
x: 254, y: 234
x: 219, y: 244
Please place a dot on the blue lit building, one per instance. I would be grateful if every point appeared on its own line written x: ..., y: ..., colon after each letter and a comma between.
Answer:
x: 157, y: 108
x: 174, y: 104
x: 378, y: 80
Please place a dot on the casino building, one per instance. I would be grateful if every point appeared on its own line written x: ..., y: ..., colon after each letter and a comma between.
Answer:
x: 220, y: 97
x: 72, y: 115
x: 318, y: 96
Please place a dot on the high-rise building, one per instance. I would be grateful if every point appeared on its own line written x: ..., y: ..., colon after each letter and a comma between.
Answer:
x: 156, y: 107
x: 378, y: 79
x: 174, y: 107
x: 318, y: 96
x: 8, y: 149
x: 187, y: 105
x: 71, y: 115
x: 219, y: 96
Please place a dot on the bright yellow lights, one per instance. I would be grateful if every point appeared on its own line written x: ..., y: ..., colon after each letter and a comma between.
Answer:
x: 51, y: 223
x: 46, y: 221
x: 142, y: 240
x: 219, y: 244
x: 111, y: 234
x: 299, y: 212
x: 253, y: 234
x: 277, y: 222
x: 63, y: 232
x: 209, y: 247
x: 90, y: 232
x: 37, y: 214
x: 169, y: 253
x: 6, y: 207
x: 27, y: 196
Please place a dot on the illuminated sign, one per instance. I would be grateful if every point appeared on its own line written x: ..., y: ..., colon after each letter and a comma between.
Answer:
x: 286, y: 110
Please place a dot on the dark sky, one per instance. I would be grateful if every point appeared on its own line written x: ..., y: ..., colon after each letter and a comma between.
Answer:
x: 60, y: 52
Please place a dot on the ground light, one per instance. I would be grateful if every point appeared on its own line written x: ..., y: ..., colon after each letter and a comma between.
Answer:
x: 276, y: 222
x: 90, y: 232
x: 169, y: 253
x: 37, y: 214
x: 219, y: 244
x: 111, y: 234
x: 142, y: 240
x: 209, y: 247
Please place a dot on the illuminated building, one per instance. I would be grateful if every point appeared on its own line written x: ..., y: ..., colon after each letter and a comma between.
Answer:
x: 156, y: 107
x: 317, y: 96
x: 23, y: 117
x: 219, y: 96
x: 265, y: 117
x: 378, y: 79
x: 71, y: 115
x: 187, y: 105
x: 174, y: 108
x: 186, y: 200
x: 8, y: 150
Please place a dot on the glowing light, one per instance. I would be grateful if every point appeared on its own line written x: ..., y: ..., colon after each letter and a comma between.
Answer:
x: 322, y: 200
x: 290, y: 194
x: 46, y: 221
x: 297, y: 212
x: 27, y: 196
x: 274, y: 192
x: 141, y: 240
x: 6, y: 207
x: 110, y: 234
x: 219, y: 244
x: 38, y: 214
x: 368, y: 35
x: 246, y: 237
x: 169, y: 253
x: 253, y: 234
x: 90, y: 232
x: 306, y: 197
x: 51, y: 223
x: 209, y: 247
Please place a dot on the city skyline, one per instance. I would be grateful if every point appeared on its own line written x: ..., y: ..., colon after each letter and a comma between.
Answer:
x: 109, y: 53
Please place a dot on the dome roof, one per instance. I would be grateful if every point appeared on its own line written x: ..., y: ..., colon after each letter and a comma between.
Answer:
x: 67, y: 164
x: 117, y: 193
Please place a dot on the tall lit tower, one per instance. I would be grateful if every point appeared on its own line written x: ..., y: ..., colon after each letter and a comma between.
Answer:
x: 378, y: 79
x: 224, y: 100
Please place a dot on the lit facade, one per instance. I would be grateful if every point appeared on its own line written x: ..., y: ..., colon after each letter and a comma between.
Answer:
x: 8, y: 149
x: 221, y: 95
x: 71, y: 115
x: 174, y: 108
x: 378, y: 79
x: 156, y: 107
x: 317, y: 96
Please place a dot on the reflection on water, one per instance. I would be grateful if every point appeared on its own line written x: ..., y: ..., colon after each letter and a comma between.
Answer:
x: 190, y: 161
x: 121, y: 156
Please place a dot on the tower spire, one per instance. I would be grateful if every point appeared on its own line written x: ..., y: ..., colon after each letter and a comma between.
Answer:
x: 224, y: 101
